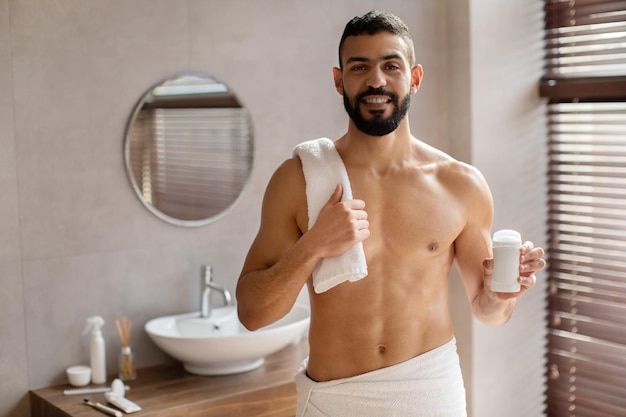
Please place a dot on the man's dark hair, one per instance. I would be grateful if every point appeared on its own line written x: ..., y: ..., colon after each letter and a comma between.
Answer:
x: 375, y: 22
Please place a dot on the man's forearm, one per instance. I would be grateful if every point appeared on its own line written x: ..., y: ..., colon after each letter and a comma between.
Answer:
x: 265, y: 296
x: 491, y: 310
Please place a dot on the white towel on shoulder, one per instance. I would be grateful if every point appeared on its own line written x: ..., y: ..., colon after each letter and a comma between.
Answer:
x: 323, y: 169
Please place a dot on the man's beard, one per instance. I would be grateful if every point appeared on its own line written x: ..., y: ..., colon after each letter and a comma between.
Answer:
x: 377, y: 125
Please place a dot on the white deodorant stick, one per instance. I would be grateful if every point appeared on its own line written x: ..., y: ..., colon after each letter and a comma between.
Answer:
x: 506, y: 254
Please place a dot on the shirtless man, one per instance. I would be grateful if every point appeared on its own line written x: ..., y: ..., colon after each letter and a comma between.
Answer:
x: 416, y: 211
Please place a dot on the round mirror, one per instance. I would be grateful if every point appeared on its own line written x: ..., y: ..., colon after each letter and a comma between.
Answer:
x: 188, y: 149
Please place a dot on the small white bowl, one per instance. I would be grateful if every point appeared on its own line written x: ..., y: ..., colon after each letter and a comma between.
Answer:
x: 79, y: 375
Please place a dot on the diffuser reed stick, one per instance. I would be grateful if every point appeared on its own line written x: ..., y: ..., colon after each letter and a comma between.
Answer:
x: 126, y: 365
x: 123, y: 330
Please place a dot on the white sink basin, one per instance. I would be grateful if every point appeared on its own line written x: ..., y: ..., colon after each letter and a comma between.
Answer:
x: 220, y: 345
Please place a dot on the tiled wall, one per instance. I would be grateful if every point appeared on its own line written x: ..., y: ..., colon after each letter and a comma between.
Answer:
x: 74, y: 239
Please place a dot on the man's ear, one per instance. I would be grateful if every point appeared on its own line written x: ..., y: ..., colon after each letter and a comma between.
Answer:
x: 338, y: 77
x: 417, y: 73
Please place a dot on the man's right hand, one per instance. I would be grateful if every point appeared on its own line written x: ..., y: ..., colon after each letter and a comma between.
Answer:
x: 339, y: 225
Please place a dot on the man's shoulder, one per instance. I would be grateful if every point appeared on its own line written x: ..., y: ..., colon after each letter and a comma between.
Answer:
x: 426, y: 154
x: 456, y: 173
x: 289, y: 173
x: 445, y: 164
x: 285, y: 193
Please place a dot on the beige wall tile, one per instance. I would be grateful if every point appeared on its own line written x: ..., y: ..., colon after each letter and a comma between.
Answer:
x: 14, y: 365
x: 14, y: 382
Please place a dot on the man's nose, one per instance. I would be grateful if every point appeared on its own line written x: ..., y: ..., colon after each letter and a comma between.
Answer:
x: 376, y: 78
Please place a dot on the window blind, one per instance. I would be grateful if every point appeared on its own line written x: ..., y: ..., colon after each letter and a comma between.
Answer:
x: 585, y: 82
x: 587, y: 256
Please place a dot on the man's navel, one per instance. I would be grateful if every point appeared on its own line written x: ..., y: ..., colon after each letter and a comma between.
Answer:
x: 382, y: 348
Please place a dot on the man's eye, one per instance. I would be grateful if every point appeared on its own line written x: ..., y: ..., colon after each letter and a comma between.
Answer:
x: 358, y: 68
x: 393, y: 67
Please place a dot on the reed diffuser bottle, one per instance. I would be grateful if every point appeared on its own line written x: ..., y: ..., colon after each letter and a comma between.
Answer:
x: 127, y: 371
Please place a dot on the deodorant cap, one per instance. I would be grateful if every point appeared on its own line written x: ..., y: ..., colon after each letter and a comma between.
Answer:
x: 507, y: 237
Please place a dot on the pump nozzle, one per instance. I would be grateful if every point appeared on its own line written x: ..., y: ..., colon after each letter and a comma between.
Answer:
x: 94, y: 324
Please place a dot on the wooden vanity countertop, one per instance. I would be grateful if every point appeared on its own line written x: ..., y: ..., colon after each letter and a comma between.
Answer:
x: 170, y: 391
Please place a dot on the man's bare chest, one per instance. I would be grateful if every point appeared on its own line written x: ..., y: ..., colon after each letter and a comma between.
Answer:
x: 411, y: 218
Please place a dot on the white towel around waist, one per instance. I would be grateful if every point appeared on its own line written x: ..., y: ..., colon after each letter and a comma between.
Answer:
x: 323, y: 169
x: 429, y: 385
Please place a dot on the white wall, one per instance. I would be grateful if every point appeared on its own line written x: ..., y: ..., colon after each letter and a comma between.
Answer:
x: 75, y: 240
x: 496, y: 122
x: 508, y: 146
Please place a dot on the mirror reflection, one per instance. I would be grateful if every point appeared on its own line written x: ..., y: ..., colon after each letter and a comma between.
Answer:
x: 189, y: 149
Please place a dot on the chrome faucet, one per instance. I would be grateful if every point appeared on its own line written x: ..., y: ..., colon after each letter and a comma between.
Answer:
x: 209, y: 286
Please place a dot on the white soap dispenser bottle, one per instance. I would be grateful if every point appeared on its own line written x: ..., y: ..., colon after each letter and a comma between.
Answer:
x: 97, y: 352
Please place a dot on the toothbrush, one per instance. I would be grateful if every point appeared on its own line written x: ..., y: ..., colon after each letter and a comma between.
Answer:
x: 93, y: 390
x: 103, y: 408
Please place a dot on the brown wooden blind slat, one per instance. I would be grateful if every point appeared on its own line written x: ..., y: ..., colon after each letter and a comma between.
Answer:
x: 566, y: 13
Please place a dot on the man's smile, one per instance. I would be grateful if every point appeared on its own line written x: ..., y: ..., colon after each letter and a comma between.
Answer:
x: 376, y: 100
